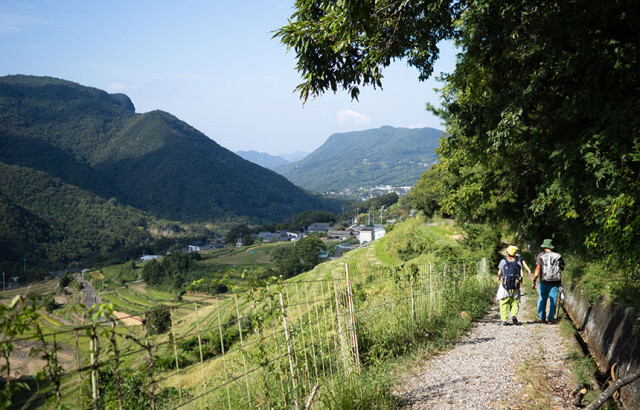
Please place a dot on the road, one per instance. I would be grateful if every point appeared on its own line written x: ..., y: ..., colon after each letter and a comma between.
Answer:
x: 87, y: 293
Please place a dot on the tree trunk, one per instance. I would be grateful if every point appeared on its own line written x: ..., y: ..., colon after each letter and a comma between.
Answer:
x: 615, y: 386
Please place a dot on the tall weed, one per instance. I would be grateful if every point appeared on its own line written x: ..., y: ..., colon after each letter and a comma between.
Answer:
x: 369, y: 390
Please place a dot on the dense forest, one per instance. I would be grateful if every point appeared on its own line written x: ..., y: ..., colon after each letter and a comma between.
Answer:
x: 84, y: 176
x: 383, y: 156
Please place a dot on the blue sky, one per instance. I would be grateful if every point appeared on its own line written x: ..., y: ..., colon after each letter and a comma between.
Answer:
x: 211, y: 63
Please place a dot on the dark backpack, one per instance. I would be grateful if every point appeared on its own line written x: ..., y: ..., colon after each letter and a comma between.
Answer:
x: 511, y: 275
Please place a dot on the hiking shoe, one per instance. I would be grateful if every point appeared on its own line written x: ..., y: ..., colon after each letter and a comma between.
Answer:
x: 550, y: 321
x: 505, y: 323
x: 515, y: 320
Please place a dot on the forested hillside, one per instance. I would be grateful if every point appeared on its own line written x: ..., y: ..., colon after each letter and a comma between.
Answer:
x: 93, y: 176
x: 383, y: 156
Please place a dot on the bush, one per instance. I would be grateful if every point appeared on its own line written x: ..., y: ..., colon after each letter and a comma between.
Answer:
x: 158, y: 321
x: 409, y: 240
x: 50, y: 304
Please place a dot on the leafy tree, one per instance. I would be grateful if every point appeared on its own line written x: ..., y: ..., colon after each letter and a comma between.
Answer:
x: 286, y: 260
x: 236, y: 232
x: 170, y: 272
x: 541, y: 111
x: 292, y: 260
x: 348, y: 44
x: 308, y: 249
x: 66, y: 280
x: 374, y: 204
x: 49, y: 303
x: 158, y: 321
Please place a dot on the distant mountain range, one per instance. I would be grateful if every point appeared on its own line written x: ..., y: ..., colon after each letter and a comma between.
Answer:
x: 349, y: 161
x: 75, y: 158
x: 271, y: 161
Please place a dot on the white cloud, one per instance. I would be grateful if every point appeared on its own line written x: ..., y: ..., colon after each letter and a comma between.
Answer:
x: 121, y: 88
x: 418, y: 126
x: 348, y: 116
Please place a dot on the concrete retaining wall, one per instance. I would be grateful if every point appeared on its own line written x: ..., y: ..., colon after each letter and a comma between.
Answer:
x: 611, y: 336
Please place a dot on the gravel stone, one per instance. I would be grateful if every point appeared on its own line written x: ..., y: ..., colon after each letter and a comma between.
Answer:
x: 481, y: 371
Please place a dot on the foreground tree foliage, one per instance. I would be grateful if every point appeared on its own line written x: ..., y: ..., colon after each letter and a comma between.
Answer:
x: 542, y: 110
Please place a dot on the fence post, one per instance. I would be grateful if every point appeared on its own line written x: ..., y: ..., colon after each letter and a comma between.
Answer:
x: 313, y: 340
x: 244, y: 361
x: 79, y: 361
x: 175, y: 352
x: 354, y: 336
x: 326, y: 325
x: 224, y: 363
x: 94, y: 349
x: 195, y: 304
x: 413, y: 306
x: 290, y: 352
x: 275, y: 338
x: 430, y: 286
x: 149, y: 365
x: 305, y: 375
x: 116, y: 359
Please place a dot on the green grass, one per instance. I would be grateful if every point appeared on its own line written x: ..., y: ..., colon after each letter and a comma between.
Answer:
x: 385, y: 334
x: 39, y: 288
x: 619, y: 286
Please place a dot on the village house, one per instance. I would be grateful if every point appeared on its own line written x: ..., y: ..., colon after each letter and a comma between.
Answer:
x: 269, y: 237
x: 366, y: 235
x: 293, y: 236
x: 319, y: 227
x: 342, y: 235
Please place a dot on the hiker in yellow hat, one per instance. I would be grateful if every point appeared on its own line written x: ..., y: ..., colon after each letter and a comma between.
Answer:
x: 510, y: 275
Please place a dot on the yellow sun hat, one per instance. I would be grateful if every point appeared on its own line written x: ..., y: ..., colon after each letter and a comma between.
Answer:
x: 511, y: 250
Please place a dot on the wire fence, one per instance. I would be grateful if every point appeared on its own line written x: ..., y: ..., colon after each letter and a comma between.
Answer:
x: 270, y: 347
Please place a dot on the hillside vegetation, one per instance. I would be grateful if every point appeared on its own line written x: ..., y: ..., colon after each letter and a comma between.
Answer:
x: 384, y: 156
x: 83, y: 174
x: 405, y: 297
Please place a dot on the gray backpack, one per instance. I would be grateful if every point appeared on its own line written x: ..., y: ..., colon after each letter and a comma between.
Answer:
x: 552, y: 266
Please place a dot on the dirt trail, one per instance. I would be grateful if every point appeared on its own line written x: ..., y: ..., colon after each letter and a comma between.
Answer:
x: 493, y: 366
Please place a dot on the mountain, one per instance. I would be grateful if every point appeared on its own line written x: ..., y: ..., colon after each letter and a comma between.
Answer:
x: 294, y: 156
x: 263, y: 159
x: 80, y: 164
x: 383, y: 156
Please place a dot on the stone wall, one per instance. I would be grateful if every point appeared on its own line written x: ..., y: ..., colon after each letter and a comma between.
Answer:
x: 611, y: 336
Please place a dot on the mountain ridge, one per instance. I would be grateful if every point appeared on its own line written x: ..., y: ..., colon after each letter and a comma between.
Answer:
x: 95, y: 176
x: 381, y: 156
x: 96, y: 136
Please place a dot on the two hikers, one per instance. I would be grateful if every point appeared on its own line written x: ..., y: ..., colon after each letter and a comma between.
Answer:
x: 549, y: 266
x: 510, y: 275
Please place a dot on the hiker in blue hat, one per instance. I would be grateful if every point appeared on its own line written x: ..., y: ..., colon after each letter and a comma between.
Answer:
x: 549, y: 267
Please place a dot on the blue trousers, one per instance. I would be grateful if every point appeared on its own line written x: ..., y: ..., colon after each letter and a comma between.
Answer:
x: 549, y: 292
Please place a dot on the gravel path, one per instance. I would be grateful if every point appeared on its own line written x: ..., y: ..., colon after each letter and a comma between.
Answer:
x: 496, y: 367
